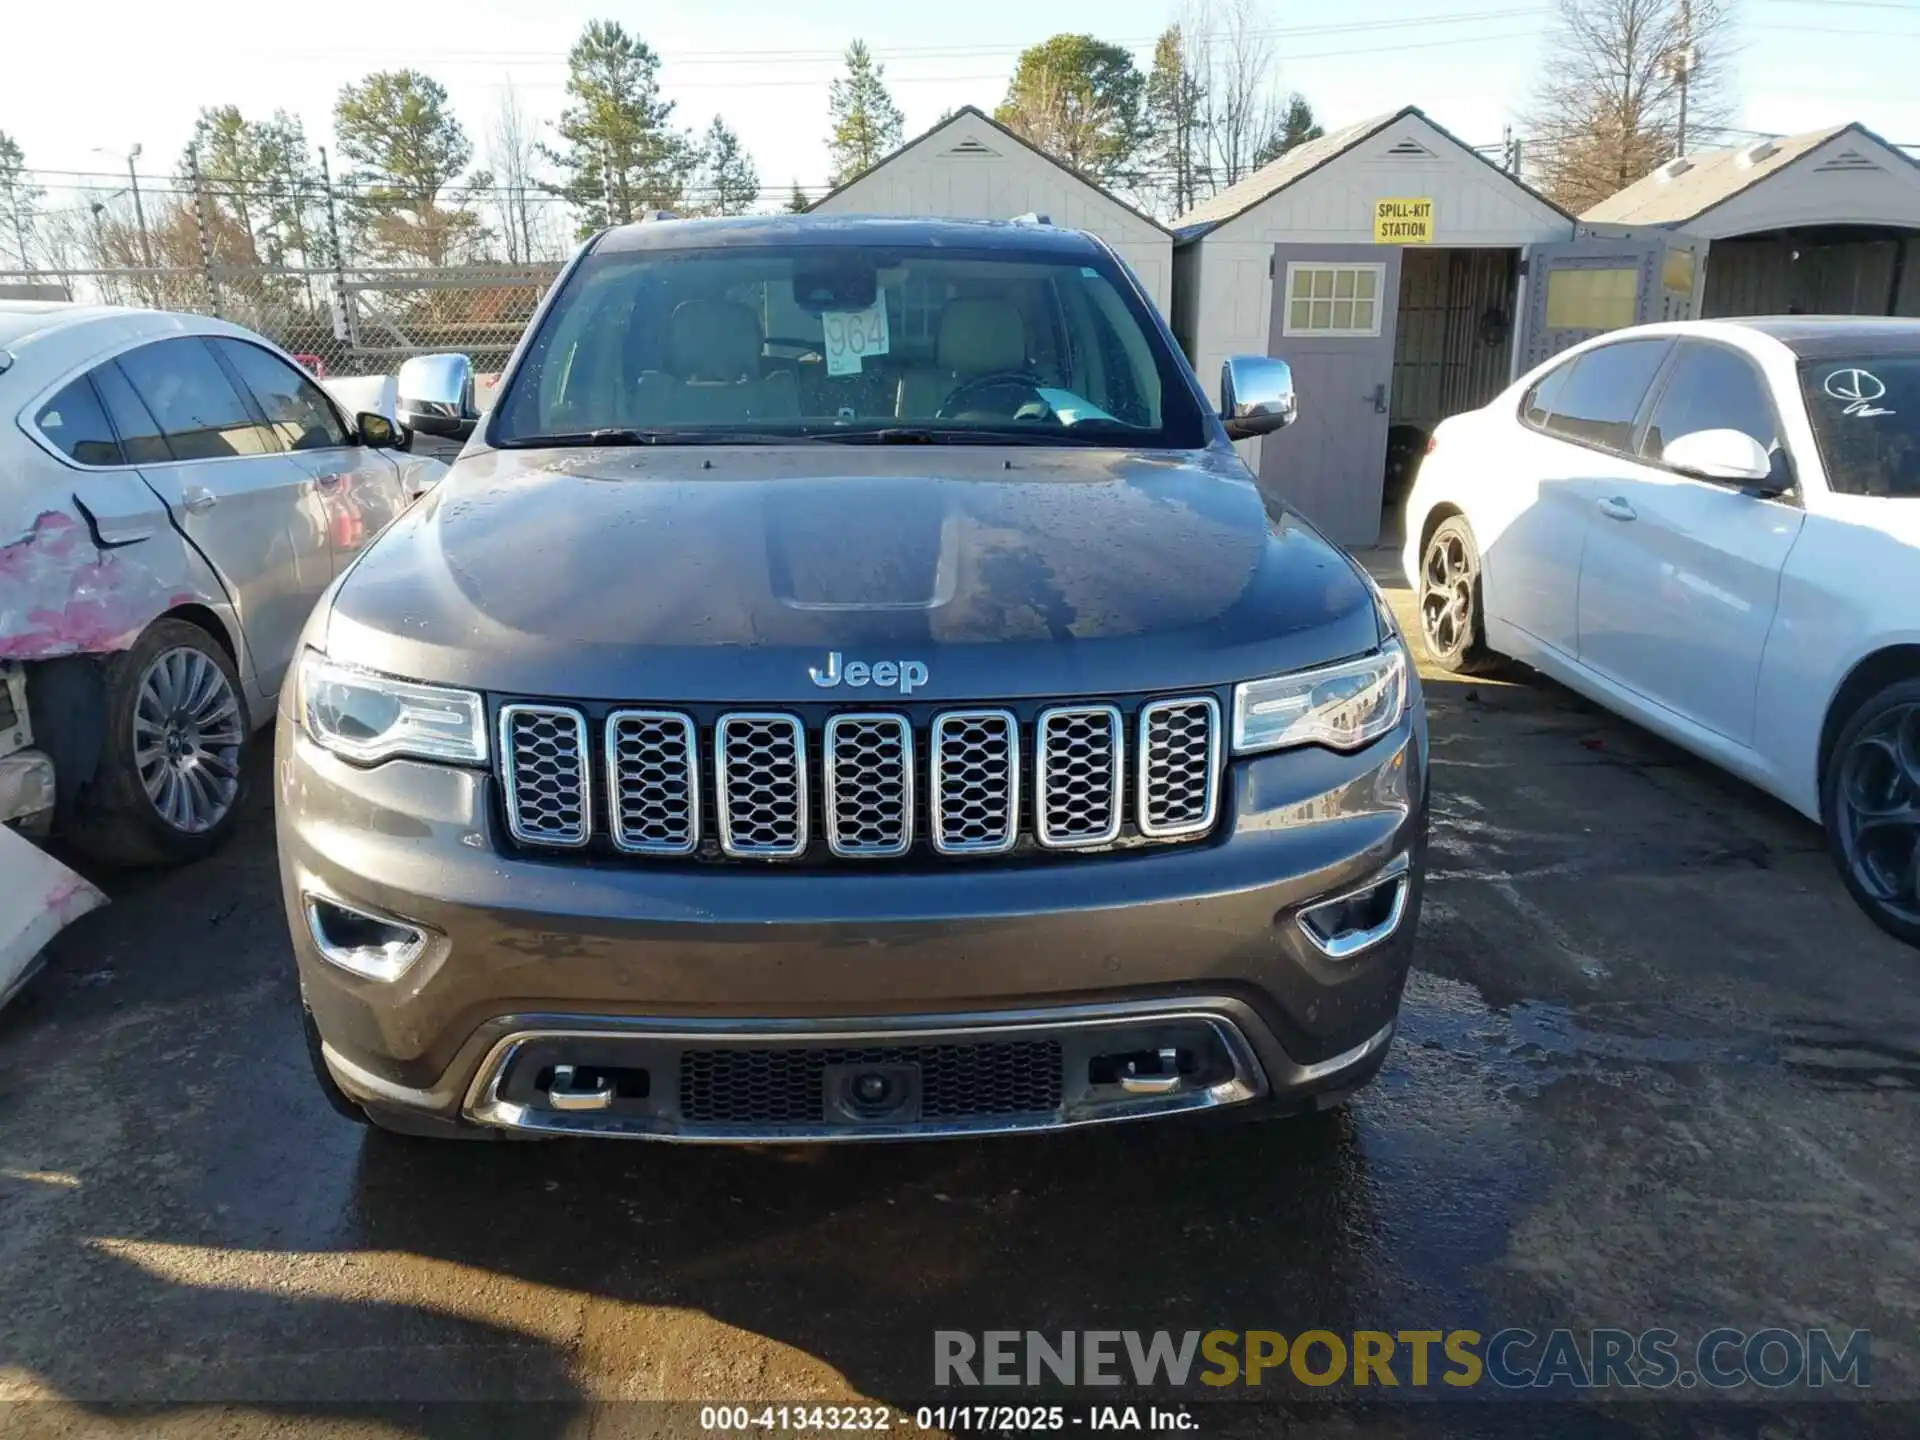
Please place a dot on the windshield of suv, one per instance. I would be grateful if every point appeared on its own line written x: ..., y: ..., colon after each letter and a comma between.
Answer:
x: 1866, y: 416
x: 848, y: 343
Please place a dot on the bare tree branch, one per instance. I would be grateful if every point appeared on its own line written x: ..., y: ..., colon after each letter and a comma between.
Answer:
x: 1616, y: 76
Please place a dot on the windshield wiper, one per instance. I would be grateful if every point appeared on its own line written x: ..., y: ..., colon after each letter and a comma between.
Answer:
x: 934, y: 435
x: 616, y: 435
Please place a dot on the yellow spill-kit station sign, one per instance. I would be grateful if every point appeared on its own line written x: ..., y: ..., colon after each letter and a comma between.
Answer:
x: 1403, y: 222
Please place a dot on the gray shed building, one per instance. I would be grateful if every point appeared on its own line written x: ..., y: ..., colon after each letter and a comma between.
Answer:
x: 1405, y: 278
x: 1827, y: 222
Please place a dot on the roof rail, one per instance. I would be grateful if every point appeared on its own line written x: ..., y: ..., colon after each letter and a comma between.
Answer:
x: 1033, y: 217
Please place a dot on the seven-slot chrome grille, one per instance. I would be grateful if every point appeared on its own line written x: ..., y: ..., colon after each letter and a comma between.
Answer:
x: 972, y: 782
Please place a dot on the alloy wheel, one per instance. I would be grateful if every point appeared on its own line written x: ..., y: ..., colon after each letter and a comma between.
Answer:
x: 186, y: 739
x: 1446, y: 593
x: 1879, y: 811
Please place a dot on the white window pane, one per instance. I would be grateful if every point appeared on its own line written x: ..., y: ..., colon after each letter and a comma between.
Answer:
x: 1323, y: 314
x: 1322, y: 284
x: 1363, y: 316
x: 1297, y: 316
x: 1343, y: 285
x: 1302, y: 284
x: 1343, y: 314
x: 1366, y: 280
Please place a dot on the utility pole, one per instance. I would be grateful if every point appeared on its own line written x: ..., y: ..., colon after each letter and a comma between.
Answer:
x: 139, y: 212
x: 1685, y: 61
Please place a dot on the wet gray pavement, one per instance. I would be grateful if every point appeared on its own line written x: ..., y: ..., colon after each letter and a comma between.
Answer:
x: 1654, y: 1070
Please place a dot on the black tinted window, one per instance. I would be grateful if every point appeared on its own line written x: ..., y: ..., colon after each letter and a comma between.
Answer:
x: 1710, y: 388
x: 293, y: 404
x: 1603, y: 392
x: 140, y: 437
x: 201, y: 414
x: 1866, y: 416
x: 74, y: 421
x: 1539, y: 403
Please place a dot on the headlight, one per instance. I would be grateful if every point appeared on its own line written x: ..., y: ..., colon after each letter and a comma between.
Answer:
x: 1343, y: 706
x: 368, y: 717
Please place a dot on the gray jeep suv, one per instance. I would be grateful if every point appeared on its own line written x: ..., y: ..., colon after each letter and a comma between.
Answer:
x: 850, y: 688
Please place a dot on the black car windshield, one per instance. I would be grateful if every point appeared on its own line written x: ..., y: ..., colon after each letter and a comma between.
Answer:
x: 1866, y: 416
x: 855, y: 344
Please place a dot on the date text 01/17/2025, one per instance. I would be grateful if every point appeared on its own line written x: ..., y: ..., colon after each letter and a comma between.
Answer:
x: 952, y: 1419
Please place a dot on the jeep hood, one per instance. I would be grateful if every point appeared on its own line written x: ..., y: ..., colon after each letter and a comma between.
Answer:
x: 724, y: 573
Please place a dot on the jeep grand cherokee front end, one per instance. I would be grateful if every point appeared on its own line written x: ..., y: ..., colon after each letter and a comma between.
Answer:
x: 850, y: 688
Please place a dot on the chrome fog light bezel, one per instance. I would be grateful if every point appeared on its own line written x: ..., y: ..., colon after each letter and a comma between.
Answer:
x: 1346, y: 944
x: 385, y: 963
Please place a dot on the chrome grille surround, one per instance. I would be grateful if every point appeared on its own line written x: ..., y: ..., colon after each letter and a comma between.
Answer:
x: 1079, y: 759
x: 760, y: 780
x: 544, y: 766
x: 975, y: 804
x: 1177, y: 766
x: 653, y: 782
x: 868, y: 786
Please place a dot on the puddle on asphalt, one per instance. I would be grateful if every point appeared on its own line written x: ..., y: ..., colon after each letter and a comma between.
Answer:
x: 1532, y: 1043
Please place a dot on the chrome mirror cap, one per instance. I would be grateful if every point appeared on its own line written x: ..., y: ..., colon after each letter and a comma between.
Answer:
x: 436, y: 393
x: 1256, y: 396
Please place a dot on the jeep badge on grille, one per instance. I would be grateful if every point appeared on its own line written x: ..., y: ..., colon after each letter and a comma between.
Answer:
x: 907, y: 675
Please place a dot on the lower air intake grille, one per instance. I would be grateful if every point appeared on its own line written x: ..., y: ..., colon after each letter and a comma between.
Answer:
x: 543, y: 752
x: 788, y: 1086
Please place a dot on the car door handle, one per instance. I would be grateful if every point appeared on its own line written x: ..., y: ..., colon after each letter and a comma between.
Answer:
x: 1614, y: 508
x: 199, y: 499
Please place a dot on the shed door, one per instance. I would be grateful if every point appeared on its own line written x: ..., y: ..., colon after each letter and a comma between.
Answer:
x: 1578, y: 289
x: 1334, y: 308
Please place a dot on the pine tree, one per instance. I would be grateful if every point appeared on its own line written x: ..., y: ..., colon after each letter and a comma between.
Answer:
x: 797, y: 202
x: 1293, y: 125
x: 19, y: 205
x: 262, y: 173
x: 622, y: 156
x: 1078, y: 99
x: 729, y: 184
x: 408, y: 150
x: 866, y: 122
x: 1176, y: 139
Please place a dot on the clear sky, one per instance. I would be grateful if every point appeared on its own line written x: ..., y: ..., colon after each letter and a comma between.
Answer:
x: 110, y: 73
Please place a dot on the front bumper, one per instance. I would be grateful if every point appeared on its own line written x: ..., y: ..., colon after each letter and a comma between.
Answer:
x: 624, y: 968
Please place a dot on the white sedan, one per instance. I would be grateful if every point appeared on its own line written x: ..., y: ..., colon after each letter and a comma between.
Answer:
x: 1712, y: 528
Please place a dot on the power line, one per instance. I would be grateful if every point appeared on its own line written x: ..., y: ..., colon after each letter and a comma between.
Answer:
x: 786, y: 56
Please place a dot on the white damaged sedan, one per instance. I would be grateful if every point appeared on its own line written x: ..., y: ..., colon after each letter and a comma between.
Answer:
x: 175, y: 494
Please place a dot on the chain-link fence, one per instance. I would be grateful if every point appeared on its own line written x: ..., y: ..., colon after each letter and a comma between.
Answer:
x: 357, y: 321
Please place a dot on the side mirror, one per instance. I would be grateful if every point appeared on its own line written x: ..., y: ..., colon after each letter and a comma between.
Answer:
x: 1256, y: 396
x: 436, y: 395
x: 1730, y: 455
x: 378, y: 432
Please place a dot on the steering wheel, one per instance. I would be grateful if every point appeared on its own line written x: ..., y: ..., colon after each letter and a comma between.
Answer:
x: 1016, y: 384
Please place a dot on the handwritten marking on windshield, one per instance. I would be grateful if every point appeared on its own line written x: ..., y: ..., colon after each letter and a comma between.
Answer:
x: 1858, y: 389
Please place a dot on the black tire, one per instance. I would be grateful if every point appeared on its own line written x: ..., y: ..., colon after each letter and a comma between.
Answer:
x: 1452, y: 631
x: 1870, y: 808
x: 116, y: 819
x: 338, y: 1100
